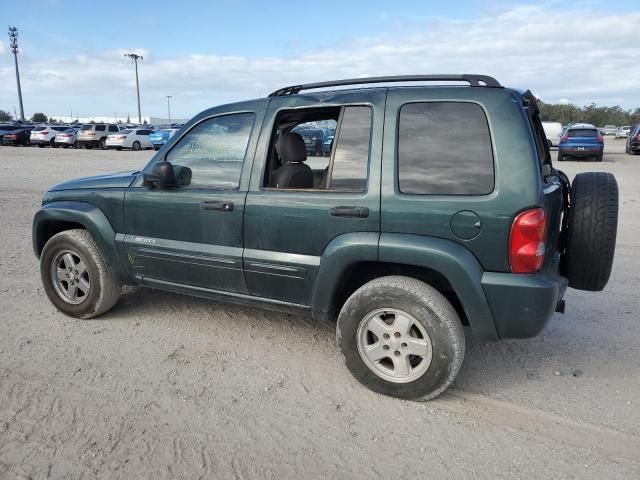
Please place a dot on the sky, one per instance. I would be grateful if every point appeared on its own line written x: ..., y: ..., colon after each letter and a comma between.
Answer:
x: 205, y: 53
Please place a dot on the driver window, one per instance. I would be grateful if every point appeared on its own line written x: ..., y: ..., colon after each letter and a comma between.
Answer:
x: 214, y: 150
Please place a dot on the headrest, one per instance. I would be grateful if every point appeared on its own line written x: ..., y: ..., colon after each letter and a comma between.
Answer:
x: 290, y: 148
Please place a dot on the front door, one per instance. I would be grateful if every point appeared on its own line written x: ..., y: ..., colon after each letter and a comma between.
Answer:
x: 191, y: 234
x: 288, y: 226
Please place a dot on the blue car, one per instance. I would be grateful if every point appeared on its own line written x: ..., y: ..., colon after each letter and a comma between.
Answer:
x: 159, y: 138
x: 581, y: 140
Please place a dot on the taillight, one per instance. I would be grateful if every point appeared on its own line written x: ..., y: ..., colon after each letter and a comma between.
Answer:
x: 526, y: 242
x: 564, y: 138
x: 599, y: 138
x: 638, y: 137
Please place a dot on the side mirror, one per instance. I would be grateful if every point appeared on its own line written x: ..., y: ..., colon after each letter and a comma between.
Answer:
x: 161, y: 176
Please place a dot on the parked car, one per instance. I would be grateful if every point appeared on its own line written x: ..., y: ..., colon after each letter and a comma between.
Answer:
x: 95, y: 134
x: 313, y: 140
x: 16, y: 136
x: 623, y: 132
x: 160, y: 137
x: 553, y: 132
x: 327, y: 145
x: 136, y: 139
x: 67, y: 138
x: 44, y: 135
x: 410, y: 235
x: 581, y: 140
x: 8, y: 128
x: 633, y: 140
x: 609, y: 130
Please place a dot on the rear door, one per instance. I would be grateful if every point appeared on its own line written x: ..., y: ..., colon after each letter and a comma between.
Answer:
x: 286, y: 230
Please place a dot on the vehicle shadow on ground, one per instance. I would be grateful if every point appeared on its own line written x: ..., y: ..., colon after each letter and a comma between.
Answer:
x: 489, y: 367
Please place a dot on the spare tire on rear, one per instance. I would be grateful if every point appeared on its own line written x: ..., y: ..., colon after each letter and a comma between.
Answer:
x: 592, y: 227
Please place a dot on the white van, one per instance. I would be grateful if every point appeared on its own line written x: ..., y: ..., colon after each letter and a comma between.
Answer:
x: 553, y: 131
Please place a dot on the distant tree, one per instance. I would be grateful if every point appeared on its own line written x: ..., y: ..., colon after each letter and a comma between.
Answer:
x: 5, y: 116
x: 119, y: 122
x: 145, y: 121
x: 39, y: 118
x: 128, y: 119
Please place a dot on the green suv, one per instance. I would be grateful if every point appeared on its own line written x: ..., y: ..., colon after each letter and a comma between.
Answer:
x: 437, y: 207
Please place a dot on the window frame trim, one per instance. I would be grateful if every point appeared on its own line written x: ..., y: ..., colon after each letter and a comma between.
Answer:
x: 396, y: 185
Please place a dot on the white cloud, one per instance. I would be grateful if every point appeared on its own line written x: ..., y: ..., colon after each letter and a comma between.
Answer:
x: 3, y: 49
x: 558, y: 54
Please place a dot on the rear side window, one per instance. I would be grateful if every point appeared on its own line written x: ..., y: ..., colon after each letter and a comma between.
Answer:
x: 100, y: 128
x: 582, y: 132
x: 444, y: 148
x: 87, y: 127
x: 113, y: 128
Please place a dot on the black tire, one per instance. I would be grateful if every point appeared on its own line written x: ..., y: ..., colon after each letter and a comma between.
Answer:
x: 560, y: 156
x: 88, y: 146
x: 118, y: 148
x: 40, y: 145
x: 599, y: 157
x: 136, y: 145
x: 428, y: 307
x: 105, y: 287
x: 103, y: 144
x: 592, y: 229
x: 156, y: 147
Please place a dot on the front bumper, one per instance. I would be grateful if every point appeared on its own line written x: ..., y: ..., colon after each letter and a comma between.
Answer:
x: 522, y: 304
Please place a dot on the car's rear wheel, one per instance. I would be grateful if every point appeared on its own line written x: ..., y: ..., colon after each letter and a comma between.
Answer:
x: 76, y: 277
x: 592, y: 229
x: 560, y: 156
x: 401, y: 337
x: 599, y: 157
x: 136, y: 145
x: 103, y: 144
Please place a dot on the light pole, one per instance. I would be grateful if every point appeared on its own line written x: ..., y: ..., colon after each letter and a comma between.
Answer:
x: 169, y: 106
x: 13, y: 43
x: 135, y: 57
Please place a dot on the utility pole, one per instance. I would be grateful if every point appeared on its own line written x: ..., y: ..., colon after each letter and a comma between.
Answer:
x: 135, y: 57
x: 169, y: 107
x: 13, y: 43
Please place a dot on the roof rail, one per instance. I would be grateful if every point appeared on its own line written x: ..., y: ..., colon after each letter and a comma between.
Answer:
x: 473, y: 80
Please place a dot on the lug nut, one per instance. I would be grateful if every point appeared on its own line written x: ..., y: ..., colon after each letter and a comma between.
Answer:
x: 396, y: 353
x: 385, y: 347
x: 385, y: 335
x: 76, y: 272
x: 404, y: 345
x: 397, y: 334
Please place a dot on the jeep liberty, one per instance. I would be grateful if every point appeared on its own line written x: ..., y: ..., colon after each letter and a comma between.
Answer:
x: 438, y: 207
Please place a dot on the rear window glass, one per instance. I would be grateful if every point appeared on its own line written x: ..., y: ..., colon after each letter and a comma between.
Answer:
x: 39, y: 129
x: 444, y: 148
x: 582, y: 132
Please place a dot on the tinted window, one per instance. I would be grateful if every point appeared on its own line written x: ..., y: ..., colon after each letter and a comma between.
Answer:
x: 113, y: 128
x: 87, y: 127
x: 582, y: 132
x: 59, y: 129
x: 39, y: 129
x: 351, y: 160
x: 444, y: 148
x: 214, y: 150
x: 100, y: 128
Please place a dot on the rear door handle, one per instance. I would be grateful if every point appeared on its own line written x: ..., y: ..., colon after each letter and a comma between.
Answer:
x: 348, y: 211
x: 218, y: 205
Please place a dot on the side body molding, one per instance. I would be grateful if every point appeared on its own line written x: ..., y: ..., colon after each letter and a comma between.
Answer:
x: 342, y: 252
x: 456, y: 263
x: 85, y: 214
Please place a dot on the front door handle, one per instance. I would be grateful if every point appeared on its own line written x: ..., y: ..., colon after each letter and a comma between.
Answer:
x: 218, y: 205
x: 348, y: 211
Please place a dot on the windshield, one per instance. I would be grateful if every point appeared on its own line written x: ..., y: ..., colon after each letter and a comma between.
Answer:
x: 582, y: 132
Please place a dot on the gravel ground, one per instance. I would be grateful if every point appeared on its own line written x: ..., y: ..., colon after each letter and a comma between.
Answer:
x: 166, y: 386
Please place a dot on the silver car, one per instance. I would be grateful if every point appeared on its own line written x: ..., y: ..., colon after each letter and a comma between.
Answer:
x: 68, y: 138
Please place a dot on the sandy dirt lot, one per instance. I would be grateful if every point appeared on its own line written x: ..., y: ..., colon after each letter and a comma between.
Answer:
x: 166, y: 386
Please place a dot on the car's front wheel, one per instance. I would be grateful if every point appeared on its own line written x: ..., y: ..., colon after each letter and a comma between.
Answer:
x: 76, y: 277
x: 401, y: 337
x: 136, y: 145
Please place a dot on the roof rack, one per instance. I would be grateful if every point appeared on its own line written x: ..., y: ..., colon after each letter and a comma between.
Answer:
x: 473, y: 80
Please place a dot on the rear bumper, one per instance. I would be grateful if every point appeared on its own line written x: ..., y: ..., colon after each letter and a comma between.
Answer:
x: 93, y: 143
x: 575, y: 152
x: 522, y: 305
x: 38, y: 141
